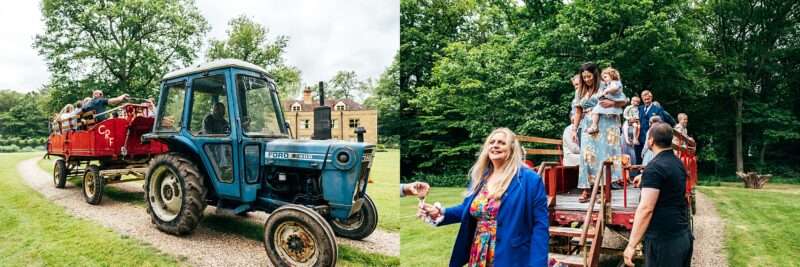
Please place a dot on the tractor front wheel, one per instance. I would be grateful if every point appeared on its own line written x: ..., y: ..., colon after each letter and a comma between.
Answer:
x: 359, y: 225
x: 298, y: 236
x: 174, y: 193
x: 60, y: 173
x: 93, y: 185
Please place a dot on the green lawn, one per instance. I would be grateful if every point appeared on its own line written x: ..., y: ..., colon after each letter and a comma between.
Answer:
x: 422, y: 244
x: 39, y: 233
x: 761, y: 226
x: 384, y: 191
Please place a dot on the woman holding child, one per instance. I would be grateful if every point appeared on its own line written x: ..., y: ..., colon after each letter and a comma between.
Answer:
x: 598, y: 111
x: 503, y: 217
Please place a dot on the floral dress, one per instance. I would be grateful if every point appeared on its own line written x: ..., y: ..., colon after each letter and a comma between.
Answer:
x: 484, y: 210
x: 596, y: 148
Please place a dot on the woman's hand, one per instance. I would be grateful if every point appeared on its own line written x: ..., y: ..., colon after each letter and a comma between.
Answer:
x: 574, y: 135
x: 428, y: 210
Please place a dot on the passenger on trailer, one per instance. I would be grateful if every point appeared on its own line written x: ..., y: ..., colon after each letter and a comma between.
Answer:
x: 98, y: 103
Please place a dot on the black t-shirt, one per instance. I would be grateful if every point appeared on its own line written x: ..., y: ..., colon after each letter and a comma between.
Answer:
x: 214, y: 125
x: 667, y: 174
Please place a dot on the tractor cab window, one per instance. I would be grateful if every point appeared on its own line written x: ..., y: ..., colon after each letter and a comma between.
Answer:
x: 257, y: 107
x: 172, y: 113
x: 209, y: 113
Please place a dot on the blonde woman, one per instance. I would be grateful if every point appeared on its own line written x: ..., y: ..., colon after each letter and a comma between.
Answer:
x: 504, y: 214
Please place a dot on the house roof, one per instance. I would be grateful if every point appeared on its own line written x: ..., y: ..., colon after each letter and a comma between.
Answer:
x: 351, y: 105
x: 213, y: 65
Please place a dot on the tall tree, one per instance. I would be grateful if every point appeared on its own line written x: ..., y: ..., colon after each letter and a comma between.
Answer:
x: 386, y: 99
x: 756, y: 47
x: 122, y: 46
x: 345, y: 84
x: 248, y: 41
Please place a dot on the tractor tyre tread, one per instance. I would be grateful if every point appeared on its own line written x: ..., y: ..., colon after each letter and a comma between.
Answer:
x: 194, y: 194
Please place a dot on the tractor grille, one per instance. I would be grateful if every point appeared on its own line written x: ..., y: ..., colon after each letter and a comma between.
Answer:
x: 366, y: 164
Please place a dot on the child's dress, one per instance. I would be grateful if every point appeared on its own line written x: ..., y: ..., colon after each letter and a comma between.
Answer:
x: 619, y: 96
x: 484, y: 210
x: 631, y: 112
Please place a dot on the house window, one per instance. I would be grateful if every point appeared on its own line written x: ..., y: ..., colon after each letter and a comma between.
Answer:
x: 296, y: 107
x: 335, y: 123
x: 339, y: 106
x: 306, y: 124
x: 354, y: 123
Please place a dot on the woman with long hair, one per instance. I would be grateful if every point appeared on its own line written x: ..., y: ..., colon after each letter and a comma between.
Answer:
x: 503, y: 216
x: 600, y: 146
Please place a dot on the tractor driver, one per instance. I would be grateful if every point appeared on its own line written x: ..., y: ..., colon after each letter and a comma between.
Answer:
x: 215, y: 122
x: 98, y: 103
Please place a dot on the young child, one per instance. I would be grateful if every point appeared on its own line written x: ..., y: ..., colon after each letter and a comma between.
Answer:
x: 631, y: 115
x: 611, y: 89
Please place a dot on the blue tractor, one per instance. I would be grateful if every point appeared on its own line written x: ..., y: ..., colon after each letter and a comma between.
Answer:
x: 230, y: 147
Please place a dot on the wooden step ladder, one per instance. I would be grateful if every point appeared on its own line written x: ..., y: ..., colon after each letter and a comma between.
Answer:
x: 590, y: 236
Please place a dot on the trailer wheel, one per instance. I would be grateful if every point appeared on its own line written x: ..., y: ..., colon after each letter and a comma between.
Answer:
x: 175, y: 194
x: 359, y: 225
x: 60, y: 173
x: 93, y: 185
x: 298, y: 236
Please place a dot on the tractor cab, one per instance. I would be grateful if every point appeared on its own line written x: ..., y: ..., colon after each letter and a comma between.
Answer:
x: 230, y: 147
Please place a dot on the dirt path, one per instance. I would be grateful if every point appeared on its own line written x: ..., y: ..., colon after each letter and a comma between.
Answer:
x: 204, y: 247
x: 709, y: 234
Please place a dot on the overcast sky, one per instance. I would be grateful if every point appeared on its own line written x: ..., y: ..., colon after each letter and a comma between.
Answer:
x: 324, y: 36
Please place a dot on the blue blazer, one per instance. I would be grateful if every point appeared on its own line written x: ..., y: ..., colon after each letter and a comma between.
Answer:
x: 522, y: 224
x: 644, y: 119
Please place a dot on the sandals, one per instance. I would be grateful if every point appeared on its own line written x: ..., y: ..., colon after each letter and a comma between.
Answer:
x: 584, y: 196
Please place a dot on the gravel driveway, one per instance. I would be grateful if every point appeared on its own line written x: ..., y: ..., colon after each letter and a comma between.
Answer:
x: 204, y: 247
x: 709, y: 235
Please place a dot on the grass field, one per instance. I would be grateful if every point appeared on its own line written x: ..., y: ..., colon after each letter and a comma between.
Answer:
x: 36, y: 232
x: 422, y: 244
x: 384, y: 191
x: 761, y: 227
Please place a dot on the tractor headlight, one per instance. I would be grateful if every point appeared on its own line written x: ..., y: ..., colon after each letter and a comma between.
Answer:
x: 343, y: 157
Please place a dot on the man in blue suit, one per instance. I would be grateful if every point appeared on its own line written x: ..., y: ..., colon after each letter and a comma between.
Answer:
x: 647, y: 110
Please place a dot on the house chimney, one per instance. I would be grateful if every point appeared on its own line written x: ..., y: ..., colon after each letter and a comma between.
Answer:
x: 307, y: 96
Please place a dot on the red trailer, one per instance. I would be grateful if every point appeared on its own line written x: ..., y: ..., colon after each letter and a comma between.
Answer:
x: 102, y: 152
x: 576, y: 228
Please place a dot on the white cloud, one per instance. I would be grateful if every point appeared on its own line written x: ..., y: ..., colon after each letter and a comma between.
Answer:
x: 324, y: 36
x: 21, y: 68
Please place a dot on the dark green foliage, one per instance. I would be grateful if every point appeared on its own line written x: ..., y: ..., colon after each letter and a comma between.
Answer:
x: 471, y: 66
x: 115, y: 46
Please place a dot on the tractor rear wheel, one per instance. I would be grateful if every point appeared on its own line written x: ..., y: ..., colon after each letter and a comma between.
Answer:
x: 298, y: 236
x: 93, y: 185
x: 359, y: 225
x: 60, y: 173
x: 174, y: 193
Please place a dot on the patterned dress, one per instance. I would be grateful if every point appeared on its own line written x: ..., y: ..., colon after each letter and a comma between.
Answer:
x: 484, y: 210
x: 596, y: 148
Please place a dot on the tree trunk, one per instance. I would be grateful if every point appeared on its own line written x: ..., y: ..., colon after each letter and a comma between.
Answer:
x: 763, y: 151
x: 739, y: 150
x: 753, y: 180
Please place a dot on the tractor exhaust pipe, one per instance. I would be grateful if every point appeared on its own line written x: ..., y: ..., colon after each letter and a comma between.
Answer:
x: 322, y: 117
